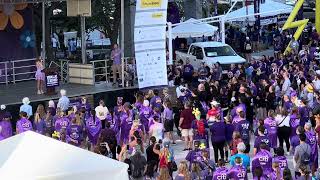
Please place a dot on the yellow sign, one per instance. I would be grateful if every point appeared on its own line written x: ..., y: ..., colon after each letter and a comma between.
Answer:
x: 151, y: 3
x: 300, y: 25
x: 157, y: 15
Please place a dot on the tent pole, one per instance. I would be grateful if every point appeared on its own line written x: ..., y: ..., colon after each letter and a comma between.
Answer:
x: 83, y: 40
x: 170, y: 43
x: 44, y: 32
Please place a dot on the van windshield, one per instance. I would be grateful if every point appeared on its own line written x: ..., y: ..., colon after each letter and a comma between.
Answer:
x: 219, y: 51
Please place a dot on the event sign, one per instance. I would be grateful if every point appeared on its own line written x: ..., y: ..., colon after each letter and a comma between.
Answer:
x: 150, y: 42
x: 52, y: 80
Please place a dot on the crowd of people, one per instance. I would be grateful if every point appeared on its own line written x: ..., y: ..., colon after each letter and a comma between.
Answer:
x: 254, y: 116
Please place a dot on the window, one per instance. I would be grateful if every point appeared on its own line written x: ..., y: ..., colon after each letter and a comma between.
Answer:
x: 219, y: 51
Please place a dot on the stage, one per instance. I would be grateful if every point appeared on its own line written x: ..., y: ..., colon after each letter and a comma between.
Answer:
x: 12, y: 94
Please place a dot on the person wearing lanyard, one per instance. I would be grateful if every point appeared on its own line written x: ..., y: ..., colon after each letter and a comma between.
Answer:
x: 283, y: 122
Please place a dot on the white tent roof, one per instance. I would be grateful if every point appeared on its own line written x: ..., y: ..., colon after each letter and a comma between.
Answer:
x: 267, y: 8
x: 193, y: 29
x: 31, y: 156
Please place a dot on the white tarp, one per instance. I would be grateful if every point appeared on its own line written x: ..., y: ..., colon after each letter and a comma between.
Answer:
x: 150, y: 42
x: 269, y: 8
x: 193, y: 28
x: 31, y: 156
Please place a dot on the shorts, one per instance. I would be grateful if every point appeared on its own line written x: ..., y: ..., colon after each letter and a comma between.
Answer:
x: 168, y: 125
x: 187, y: 132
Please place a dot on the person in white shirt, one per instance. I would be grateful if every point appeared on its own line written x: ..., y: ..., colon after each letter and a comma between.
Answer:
x: 283, y: 122
x: 156, y: 129
x: 102, y: 113
x: 316, y: 82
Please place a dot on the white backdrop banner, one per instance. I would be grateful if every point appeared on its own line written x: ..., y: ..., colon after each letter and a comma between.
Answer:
x: 150, y: 42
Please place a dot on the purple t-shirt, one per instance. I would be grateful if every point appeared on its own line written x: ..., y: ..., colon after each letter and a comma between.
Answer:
x: 24, y: 125
x: 294, y: 123
x: 61, y: 123
x: 261, y: 139
x: 187, y: 70
x: 218, y: 132
x: 264, y: 159
x: 271, y: 126
x: 282, y: 160
x: 93, y: 126
x: 74, y: 134
x: 6, y: 129
x: 237, y: 172
x: 221, y: 173
x: 244, y: 128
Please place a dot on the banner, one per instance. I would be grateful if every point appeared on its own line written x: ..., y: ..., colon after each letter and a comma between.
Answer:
x: 150, y: 42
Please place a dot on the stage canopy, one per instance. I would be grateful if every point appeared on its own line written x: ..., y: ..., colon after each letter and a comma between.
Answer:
x: 267, y: 9
x: 33, y: 156
x: 193, y: 28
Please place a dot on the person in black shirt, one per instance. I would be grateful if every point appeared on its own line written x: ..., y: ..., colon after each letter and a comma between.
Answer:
x: 151, y: 156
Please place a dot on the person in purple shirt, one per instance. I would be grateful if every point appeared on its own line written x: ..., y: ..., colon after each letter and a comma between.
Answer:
x: 126, y: 119
x: 39, y: 124
x: 93, y: 127
x: 277, y: 172
x: 61, y: 122
x: 263, y: 159
x: 280, y: 158
x: 84, y: 104
x: 145, y: 113
x: 312, y: 141
x: 271, y: 126
x: 23, y: 124
x: 116, y: 66
x: 74, y: 133
x: 238, y: 172
x: 243, y: 127
x: 294, y: 122
x: 218, y: 137
x: 117, y: 110
x: 295, y: 141
x: 6, y: 125
x: 195, y: 154
x: 155, y: 99
x: 262, y: 138
x: 188, y: 71
x: 221, y: 172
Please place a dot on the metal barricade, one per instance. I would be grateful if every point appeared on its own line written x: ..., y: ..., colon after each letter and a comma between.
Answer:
x: 17, y: 70
x: 64, y: 69
x: 17, y: 65
x: 101, y: 70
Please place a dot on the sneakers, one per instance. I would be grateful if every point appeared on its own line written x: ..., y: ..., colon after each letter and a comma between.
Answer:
x: 39, y: 92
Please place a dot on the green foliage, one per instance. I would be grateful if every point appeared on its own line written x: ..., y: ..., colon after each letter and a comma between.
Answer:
x: 106, y: 16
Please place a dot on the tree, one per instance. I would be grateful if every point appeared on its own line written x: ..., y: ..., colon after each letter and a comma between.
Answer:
x: 106, y: 16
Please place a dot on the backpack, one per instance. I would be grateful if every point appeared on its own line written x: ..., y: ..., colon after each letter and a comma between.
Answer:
x: 201, y: 127
x: 305, y: 157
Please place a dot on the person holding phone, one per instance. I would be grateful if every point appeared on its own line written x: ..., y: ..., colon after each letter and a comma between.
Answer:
x: 40, y: 76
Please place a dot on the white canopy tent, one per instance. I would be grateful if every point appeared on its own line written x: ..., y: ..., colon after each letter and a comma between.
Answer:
x: 269, y: 8
x: 193, y: 28
x: 31, y: 156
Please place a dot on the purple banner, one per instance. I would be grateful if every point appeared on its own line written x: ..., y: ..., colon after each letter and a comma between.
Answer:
x: 17, y: 43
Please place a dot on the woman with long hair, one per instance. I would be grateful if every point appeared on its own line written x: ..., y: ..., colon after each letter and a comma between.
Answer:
x: 183, y: 171
x: 93, y: 127
x: 39, y: 123
x: 283, y: 123
x: 163, y: 174
x: 40, y: 76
